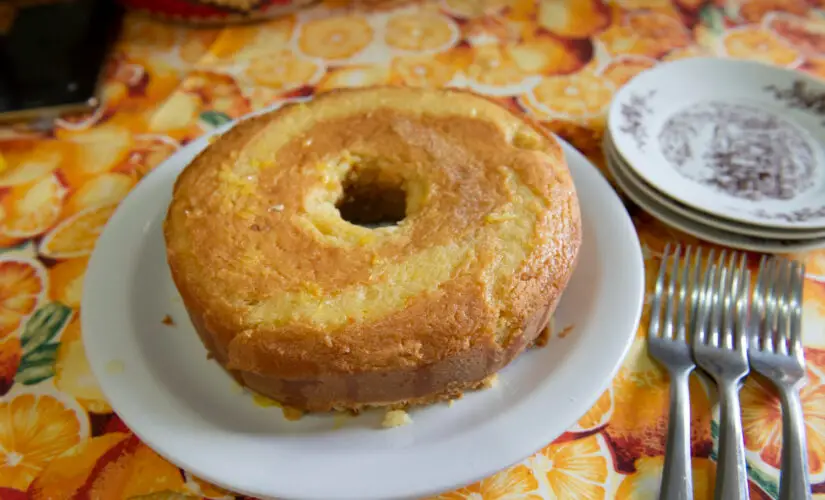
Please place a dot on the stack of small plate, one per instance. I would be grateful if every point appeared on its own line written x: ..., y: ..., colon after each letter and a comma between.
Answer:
x: 728, y: 151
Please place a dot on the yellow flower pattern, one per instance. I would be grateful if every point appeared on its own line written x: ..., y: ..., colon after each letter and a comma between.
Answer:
x: 560, y: 61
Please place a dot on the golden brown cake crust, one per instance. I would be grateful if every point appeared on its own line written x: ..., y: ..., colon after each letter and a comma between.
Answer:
x: 318, y: 313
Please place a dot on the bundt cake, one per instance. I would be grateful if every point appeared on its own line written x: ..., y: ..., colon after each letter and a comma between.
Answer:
x: 373, y: 247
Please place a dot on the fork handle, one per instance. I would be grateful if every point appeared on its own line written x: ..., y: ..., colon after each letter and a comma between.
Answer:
x: 793, y: 479
x: 732, y: 480
x: 677, y: 482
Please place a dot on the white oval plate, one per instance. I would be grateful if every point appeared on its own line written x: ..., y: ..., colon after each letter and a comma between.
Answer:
x: 188, y: 409
x: 701, y: 231
x: 690, y: 126
x: 703, y: 217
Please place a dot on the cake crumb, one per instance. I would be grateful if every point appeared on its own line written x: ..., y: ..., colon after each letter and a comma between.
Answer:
x: 565, y: 331
x: 450, y: 403
x: 396, y: 418
x: 168, y: 321
x: 491, y: 381
x: 292, y: 414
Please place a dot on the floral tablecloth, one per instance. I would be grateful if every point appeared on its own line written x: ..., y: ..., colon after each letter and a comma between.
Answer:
x: 559, y: 60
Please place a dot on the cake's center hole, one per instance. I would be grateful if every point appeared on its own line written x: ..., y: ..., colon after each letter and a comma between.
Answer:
x: 372, y: 197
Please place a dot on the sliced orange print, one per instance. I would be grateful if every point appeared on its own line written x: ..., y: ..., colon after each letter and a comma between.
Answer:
x: 813, y: 316
x: 515, y: 482
x: 73, y: 375
x: 581, y: 95
x: 487, y: 30
x: 76, y: 236
x: 66, y: 281
x: 216, y: 92
x: 177, y: 116
x: 354, y: 76
x: 29, y: 161
x: 641, y: 393
x: 762, y: 417
x: 34, y: 430
x: 582, y: 468
x: 623, y: 68
x: 754, y: 11
x: 598, y: 415
x: 645, y: 33
x: 651, y: 5
x: 687, y: 53
x: 283, y: 70
x: 420, y: 32
x: 115, y: 465
x: 33, y: 208
x: 99, y: 150
x: 548, y: 56
x: 205, y: 489
x: 758, y: 44
x: 196, y: 43
x: 815, y: 264
x: 422, y: 71
x: 573, y: 18
x: 106, y: 189
x: 65, y: 476
x: 334, y: 38
x: 121, y: 472
x: 646, y: 481
x: 807, y: 35
x: 149, y: 151
x: 23, y: 285
x: 10, y: 354
x: 494, y: 71
x: 469, y: 9
x: 249, y: 41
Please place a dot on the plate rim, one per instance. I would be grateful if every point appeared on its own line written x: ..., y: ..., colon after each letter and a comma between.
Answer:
x: 621, y: 96
x: 700, y: 217
x: 509, y: 450
x: 668, y: 219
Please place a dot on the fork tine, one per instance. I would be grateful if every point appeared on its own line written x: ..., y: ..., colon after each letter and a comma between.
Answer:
x: 783, y: 307
x: 671, y: 289
x: 758, y: 303
x: 700, y: 336
x: 741, y: 305
x: 681, y: 315
x: 696, y: 286
x: 769, y: 321
x: 655, y: 306
x: 797, y: 288
x: 717, y: 299
x: 730, y: 288
x: 696, y: 289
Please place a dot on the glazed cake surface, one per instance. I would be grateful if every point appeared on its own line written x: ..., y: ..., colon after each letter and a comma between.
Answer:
x: 290, y: 287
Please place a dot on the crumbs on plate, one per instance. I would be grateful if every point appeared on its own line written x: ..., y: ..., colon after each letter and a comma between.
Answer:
x: 396, y: 418
x: 565, y: 331
x: 168, y: 321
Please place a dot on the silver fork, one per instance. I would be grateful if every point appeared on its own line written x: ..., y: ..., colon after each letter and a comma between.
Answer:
x: 720, y: 349
x: 776, y: 352
x: 668, y: 345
